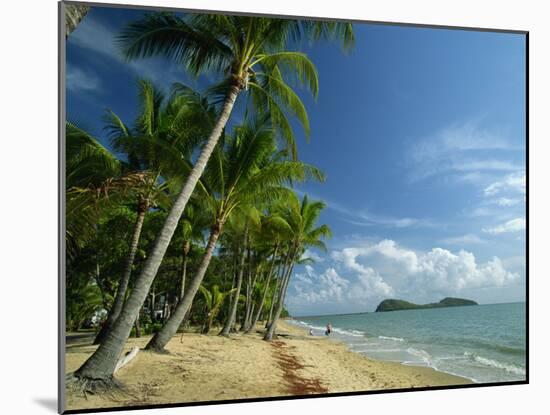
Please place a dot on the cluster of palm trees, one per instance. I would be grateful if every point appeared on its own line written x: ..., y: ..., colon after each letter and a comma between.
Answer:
x: 187, y: 205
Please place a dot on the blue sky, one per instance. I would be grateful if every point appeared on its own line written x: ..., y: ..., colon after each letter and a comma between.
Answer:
x: 421, y: 133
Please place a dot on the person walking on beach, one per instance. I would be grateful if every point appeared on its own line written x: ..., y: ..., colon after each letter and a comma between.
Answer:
x: 329, y: 329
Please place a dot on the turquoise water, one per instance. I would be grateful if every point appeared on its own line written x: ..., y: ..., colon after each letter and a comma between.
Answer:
x: 484, y: 343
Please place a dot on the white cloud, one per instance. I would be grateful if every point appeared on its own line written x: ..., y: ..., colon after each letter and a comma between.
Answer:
x: 308, y: 253
x: 480, y: 165
x: 513, y: 225
x: 321, y: 288
x: 460, y: 151
x: 504, y: 201
x: 96, y: 36
x: 80, y: 80
x: 101, y: 39
x: 512, y: 183
x: 467, y: 239
x: 365, y: 218
x: 480, y: 211
x: 364, y: 275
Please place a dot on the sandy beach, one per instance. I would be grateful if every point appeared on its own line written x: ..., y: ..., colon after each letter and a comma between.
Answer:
x: 212, y: 368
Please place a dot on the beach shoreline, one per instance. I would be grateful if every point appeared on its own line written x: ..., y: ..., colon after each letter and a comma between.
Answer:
x: 294, y: 324
x: 213, y: 368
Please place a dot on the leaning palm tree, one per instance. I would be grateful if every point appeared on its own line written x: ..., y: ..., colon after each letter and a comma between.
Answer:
x: 302, y: 218
x: 155, y: 145
x: 250, y: 54
x: 242, y: 172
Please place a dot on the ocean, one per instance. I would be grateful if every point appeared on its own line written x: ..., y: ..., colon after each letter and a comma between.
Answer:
x: 485, y: 343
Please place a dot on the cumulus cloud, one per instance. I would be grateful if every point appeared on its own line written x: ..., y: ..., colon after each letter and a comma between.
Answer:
x: 366, y: 274
x: 513, y: 225
x: 314, y: 288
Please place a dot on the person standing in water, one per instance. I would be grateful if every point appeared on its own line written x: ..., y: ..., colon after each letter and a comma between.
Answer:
x: 329, y: 329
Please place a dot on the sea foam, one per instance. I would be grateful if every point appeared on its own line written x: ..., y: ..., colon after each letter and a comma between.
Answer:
x: 395, y: 339
x: 496, y: 364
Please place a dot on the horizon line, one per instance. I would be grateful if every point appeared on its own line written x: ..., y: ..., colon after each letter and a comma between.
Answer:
x: 372, y: 312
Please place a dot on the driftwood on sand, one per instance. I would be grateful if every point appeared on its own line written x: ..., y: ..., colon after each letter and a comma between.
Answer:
x: 126, y: 358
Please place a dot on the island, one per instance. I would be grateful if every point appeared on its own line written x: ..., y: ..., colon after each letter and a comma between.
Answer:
x: 393, y: 305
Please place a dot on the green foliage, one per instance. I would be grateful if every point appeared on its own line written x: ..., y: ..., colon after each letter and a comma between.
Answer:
x: 285, y: 313
x: 247, y: 52
x: 83, y: 301
x: 247, y: 183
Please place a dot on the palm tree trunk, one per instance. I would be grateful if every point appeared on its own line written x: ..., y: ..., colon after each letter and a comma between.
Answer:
x: 207, y: 324
x: 74, y: 13
x: 250, y: 314
x: 248, y: 302
x: 101, y: 365
x: 234, y: 278
x: 273, y: 300
x: 143, y: 206
x: 280, y: 303
x: 138, y: 329
x: 264, y: 295
x: 152, y: 308
x: 161, y: 339
x: 235, y: 300
x: 186, y: 248
x: 277, y: 290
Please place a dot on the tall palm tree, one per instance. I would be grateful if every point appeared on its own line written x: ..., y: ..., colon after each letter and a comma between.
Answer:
x: 302, y: 218
x: 248, y: 217
x: 250, y: 54
x: 274, y: 228
x: 242, y: 172
x: 194, y: 221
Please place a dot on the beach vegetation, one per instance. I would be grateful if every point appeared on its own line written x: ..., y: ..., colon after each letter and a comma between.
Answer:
x: 181, y: 174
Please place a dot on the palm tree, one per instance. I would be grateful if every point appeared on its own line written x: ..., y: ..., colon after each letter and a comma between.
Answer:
x: 243, y: 171
x: 248, y: 217
x: 250, y: 54
x: 90, y: 170
x: 274, y: 228
x: 195, y: 219
x: 213, y: 299
x: 302, y: 218
x: 153, y: 146
x: 74, y: 13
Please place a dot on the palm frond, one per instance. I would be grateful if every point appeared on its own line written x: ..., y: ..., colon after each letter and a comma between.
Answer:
x: 171, y: 36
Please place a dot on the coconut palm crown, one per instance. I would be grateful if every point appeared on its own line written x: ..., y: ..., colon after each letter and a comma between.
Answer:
x: 248, y: 54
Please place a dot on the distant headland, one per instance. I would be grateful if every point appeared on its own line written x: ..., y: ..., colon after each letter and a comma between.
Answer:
x: 393, y: 305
